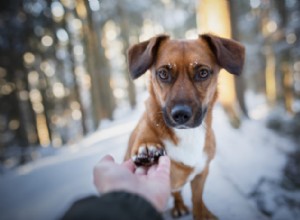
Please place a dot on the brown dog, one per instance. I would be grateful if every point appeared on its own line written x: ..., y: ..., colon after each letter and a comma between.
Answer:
x: 178, y: 116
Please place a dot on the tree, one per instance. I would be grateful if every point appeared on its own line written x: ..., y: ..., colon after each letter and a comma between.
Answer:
x: 214, y: 16
x: 101, y: 64
x: 238, y: 81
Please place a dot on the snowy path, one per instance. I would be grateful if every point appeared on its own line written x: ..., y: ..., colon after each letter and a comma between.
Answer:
x: 45, y: 188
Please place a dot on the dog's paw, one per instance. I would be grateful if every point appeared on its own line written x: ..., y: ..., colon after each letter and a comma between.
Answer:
x: 148, y: 154
x: 179, y: 210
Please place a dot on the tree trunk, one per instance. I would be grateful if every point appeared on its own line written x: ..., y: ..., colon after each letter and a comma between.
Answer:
x: 124, y: 24
x: 288, y: 87
x: 238, y: 81
x: 76, y: 89
x: 286, y: 80
x: 213, y: 16
x: 89, y: 44
x: 101, y: 67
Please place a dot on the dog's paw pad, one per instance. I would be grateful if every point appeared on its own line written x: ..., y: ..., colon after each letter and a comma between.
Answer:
x: 148, y: 155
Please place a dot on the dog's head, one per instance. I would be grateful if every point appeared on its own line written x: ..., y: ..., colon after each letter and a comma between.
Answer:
x: 184, y: 73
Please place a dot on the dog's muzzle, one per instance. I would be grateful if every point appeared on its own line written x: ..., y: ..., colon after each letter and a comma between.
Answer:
x: 182, y: 116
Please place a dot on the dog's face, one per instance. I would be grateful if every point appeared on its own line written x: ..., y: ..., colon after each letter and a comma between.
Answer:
x: 184, y: 73
x: 184, y: 80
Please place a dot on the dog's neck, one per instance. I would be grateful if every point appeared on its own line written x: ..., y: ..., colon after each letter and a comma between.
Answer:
x: 155, y: 117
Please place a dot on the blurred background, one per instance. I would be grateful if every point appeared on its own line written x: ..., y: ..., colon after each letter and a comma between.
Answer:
x: 64, y: 87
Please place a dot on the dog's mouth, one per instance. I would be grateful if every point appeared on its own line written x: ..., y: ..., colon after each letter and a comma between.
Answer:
x: 183, y: 116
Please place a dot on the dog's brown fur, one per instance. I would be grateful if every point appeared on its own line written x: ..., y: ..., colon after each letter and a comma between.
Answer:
x: 153, y: 128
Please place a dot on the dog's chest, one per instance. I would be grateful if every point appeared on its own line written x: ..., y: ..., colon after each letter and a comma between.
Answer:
x: 190, y: 149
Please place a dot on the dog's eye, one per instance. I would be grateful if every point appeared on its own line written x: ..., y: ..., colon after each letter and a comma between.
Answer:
x: 201, y: 74
x: 164, y: 75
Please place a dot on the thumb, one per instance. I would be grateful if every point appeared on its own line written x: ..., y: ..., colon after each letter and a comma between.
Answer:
x: 107, y: 158
x: 163, y: 167
x: 164, y: 164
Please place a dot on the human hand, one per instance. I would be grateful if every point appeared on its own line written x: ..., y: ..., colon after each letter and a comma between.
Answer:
x: 152, y: 183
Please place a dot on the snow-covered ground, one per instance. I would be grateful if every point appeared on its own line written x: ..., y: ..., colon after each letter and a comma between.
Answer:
x: 44, y: 189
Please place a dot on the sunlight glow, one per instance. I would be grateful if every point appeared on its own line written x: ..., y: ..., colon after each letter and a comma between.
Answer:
x: 76, y: 114
x: 148, y: 30
x: 57, y: 11
x: 38, y: 107
x: 35, y: 95
x: 6, y: 89
x: 271, y: 26
x: 95, y: 5
x: 213, y: 17
x: 47, y: 68
x: 23, y: 95
x: 33, y: 77
x: 42, y: 130
x: 111, y: 30
x: 270, y: 76
x: 78, y: 50
x: 297, y: 66
x: 74, y: 105
x: 62, y: 35
x: 79, y: 70
x: 86, y: 81
x: 76, y: 24
x: 291, y: 38
x: 29, y: 58
x: 81, y: 9
x: 58, y: 90
x: 119, y: 93
x: 47, y: 41
x: 69, y: 3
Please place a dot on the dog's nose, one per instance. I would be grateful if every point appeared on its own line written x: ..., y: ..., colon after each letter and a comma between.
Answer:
x: 181, y: 114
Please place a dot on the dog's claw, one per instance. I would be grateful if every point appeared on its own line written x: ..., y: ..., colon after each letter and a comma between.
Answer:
x: 147, y: 156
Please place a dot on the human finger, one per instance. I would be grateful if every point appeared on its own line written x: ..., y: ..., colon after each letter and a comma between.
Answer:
x: 164, y: 165
x: 152, y: 169
x: 129, y: 165
x: 103, y: 165
x: 141, y: 171
x: 107, y: 158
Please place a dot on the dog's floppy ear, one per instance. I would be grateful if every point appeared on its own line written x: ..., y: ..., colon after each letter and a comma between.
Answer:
x: 141, y: 56
x: 229, y: 53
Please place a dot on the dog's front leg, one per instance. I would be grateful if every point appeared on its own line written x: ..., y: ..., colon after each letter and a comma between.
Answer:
x: 179, y: 209
x: 200, y: 211
x: 144, y: 146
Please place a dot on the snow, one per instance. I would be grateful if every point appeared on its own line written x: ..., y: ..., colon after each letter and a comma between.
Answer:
x: 45, y: 188
x: 254, y: 149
